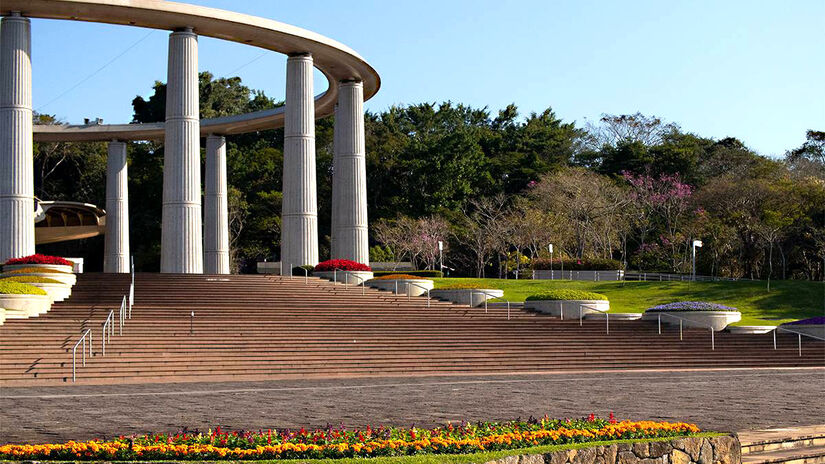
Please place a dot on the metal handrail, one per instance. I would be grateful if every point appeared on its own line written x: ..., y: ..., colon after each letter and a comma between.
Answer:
x: 415, y: 285
x: 492, y: 297
x: 798, y: 334
x: 86, y: 333
x: 595, y: 308
x: 132, y: 287
x: 363, y: 283
x: 681, y: 319
x: 107, y: 330
x: 306, y: 273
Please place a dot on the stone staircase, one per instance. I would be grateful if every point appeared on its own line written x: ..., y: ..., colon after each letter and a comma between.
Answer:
x: 797, y: 445
x: 252, y: 327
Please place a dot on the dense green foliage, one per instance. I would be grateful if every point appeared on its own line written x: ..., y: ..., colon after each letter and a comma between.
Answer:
x: 496, y: 188
x: 17, y: 288
x: 566, y: 294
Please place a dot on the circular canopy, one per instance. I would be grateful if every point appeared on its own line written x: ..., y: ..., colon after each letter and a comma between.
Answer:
x: 337, y: 61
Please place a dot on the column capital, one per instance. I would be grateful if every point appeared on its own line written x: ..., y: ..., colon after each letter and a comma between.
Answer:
x: 351, y: 81
x: 299, y: 56
x: 183, y: 30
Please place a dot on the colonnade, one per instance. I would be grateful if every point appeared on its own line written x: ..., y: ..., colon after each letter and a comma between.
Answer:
x: 194, y: 236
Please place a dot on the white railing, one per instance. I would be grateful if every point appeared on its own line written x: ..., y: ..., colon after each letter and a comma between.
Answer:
x: 86, y: 334
x: 306, y: 273
x: 347, y: 275
x: 595, y: 308
x: 681, y: 320
x: 799, y: 336
x: 665, y: 277
x: 487, y: 297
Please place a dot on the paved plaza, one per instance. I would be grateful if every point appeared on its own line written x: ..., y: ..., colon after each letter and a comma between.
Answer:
x: 719, y: 400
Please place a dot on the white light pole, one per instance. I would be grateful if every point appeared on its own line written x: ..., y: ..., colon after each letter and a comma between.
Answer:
x: 550, y: 248
x: 441, y: 256
x: 696, y: 244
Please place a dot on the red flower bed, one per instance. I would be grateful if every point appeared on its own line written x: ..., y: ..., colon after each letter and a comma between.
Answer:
x: 39, y: 259
x: 341, y: 265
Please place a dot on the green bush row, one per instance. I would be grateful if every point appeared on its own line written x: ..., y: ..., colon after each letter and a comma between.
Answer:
x: 566, y: 294
x: 595, y: 264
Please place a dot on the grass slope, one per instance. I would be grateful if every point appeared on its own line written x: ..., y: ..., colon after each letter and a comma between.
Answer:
x: 788, y: 300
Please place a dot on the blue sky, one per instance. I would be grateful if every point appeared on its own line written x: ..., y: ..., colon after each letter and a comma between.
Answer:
x: 748, y: 69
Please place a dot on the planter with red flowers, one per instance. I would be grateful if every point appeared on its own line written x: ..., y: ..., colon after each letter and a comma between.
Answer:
x: 344, y: 271
x: 55, y: 263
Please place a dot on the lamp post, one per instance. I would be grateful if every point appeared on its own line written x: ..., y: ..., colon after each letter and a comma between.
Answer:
x: 696, y: 244
x: 441, y: 256
x: 550, y: 249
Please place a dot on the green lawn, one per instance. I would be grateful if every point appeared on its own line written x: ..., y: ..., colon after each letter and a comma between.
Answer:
x: 788, y: 300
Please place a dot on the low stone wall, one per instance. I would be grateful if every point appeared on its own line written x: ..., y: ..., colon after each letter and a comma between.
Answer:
x: 723, y: 449
x: 595, y: 276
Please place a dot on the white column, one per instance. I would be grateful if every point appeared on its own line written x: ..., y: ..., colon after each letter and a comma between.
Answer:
x: 349, y: 183
x: 181, y: 231
x: 299, y: 217
x: 16, y: 157
x: 116, y: 248
x: 216, y: 210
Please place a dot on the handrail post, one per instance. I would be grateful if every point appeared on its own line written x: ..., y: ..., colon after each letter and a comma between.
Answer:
x: 580, y: 316
x: 799, y: 335
x: 680, y: 329
x: 660, y: 323
x: 774, y: 338
x: 508, y: 310
x: 607, y: 323
x: 712, y: 340
x: 428, y: 297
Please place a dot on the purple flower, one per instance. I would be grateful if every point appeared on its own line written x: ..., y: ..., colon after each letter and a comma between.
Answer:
x: 691, y: 306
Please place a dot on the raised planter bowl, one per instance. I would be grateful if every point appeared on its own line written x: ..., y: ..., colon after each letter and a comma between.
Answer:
x: 56, y: 267
x: 463, y: 295
x: 404, y: 285
x: 750, y: 329
x: 817, y: 330
x: 717, y: 320
x: 23, y: 306
x: 67, y: 279
x: 57, y: 292
x: 345, y: 277
x: 2, y: 315
x: 568, y: 309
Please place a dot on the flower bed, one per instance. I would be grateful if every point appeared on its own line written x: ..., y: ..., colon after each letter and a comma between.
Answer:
x: 566, y: 294
x: 341, y: 265
x: 65, y: 277
x: 57, y: 291
x: 399, y: 276
x: 419, y: 274
x: 814, y: 326
x: 39, y: 259
x: 340, y: 443
x: 22, y: 300
x: 701, y: 314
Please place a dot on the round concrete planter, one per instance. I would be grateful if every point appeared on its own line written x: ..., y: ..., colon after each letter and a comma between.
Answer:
x: 2, y: 315
x: 462, y: 295
x: 57, y: 292
x: 817, y: 330
x: 750, y: 329
x: 405, y: 286
x: 56, y: 267
x: 67, y: 279
x: 615, y: 316
x: 345, y: 277
x: 23, y: 306
x: 568, y: 309
x: 717, y: 320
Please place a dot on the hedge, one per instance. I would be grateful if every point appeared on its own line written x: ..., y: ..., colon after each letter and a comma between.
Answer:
x: 398, y: 277
x: 577, y: 264
x: 566, y: 294
x: 425, y: 273
x: 16, y: 288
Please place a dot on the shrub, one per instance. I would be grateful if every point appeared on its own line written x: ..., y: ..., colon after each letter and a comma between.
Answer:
x: 464, y: 286
x: 299, y: 270
x: 35, y: 270
x: 690, y: 306
x: 39, y: 259
x: 566, y: 294
x: 30, y: 280
x: 397, y: 276
x: 17, y: 288
x: 577, y: 264
x: 424, y: 273
x: 341, y: 265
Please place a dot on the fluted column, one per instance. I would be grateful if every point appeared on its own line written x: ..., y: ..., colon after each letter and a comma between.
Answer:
x: 181, y: 231
x: 349, y: 183
x: 16, y: 157
x: 116, y: 248
x: 216, y: 211
x: 299, y: 221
